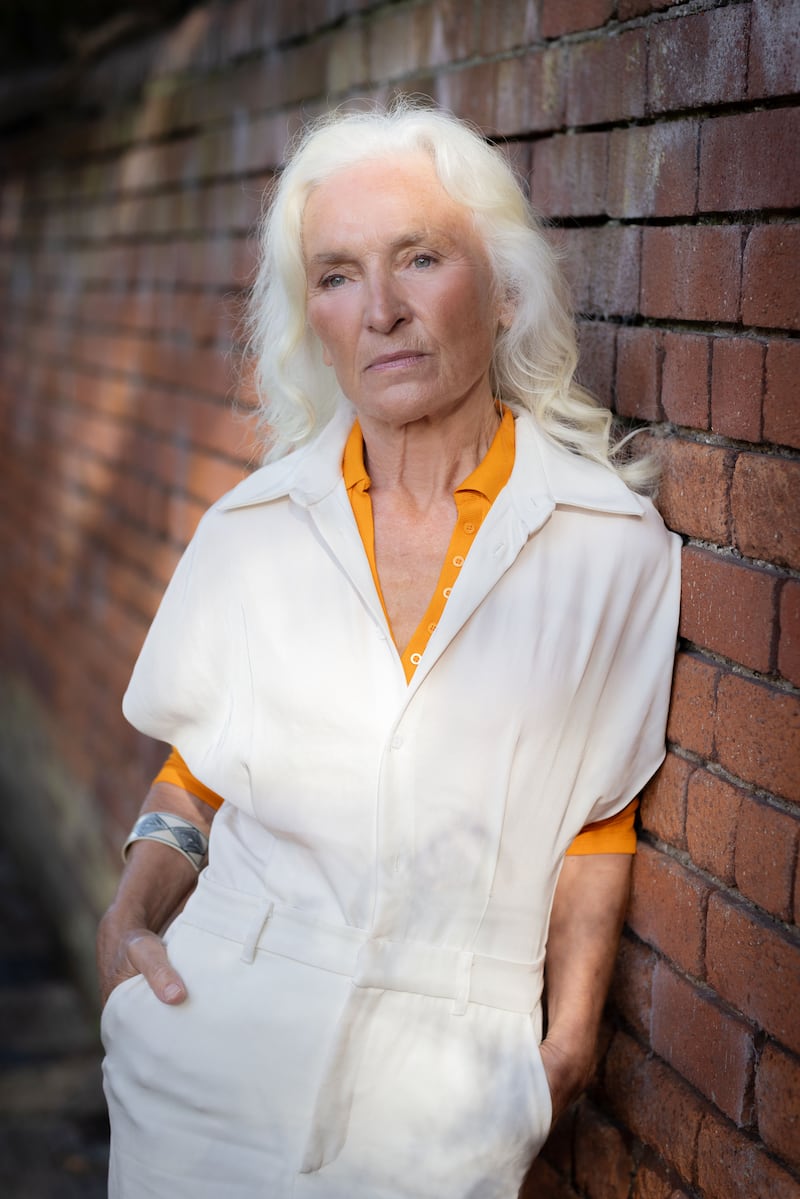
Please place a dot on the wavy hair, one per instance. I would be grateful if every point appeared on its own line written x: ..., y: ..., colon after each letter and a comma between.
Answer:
x: 534, y: 357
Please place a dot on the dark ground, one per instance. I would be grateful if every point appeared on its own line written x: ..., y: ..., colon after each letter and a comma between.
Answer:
x: 53, y: 1128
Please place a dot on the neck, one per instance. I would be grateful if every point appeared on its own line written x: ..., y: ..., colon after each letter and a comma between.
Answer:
x: 427, y: 458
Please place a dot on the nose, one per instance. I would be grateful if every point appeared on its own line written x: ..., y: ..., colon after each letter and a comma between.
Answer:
x: 385, y: 306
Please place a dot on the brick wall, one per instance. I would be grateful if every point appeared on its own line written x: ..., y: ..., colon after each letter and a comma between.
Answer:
x: 661, y: 138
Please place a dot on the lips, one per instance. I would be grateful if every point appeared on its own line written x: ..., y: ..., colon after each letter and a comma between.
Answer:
x: 397, y: 359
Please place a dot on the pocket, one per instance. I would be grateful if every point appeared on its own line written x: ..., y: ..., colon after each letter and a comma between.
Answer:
x: 542, y: 1100
x: 120, y: 991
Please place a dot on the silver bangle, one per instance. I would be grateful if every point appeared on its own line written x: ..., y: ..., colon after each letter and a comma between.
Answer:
x: 170, y: 830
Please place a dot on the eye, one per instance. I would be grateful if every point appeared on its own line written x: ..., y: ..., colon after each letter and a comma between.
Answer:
x: 422, y: 261
x: 333, y: 281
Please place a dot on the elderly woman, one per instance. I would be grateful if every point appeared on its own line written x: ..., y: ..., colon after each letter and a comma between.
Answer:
x: 419, y: 665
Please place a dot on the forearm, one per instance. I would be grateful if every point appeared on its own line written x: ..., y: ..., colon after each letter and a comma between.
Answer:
x: 155, y: 883
x: 588, y: 912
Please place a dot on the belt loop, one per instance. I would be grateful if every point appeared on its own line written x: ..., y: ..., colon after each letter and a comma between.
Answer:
x: 263, y: 913
x: 464, y: 982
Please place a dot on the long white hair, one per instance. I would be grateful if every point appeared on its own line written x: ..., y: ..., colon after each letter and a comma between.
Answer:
x: 535, y: 356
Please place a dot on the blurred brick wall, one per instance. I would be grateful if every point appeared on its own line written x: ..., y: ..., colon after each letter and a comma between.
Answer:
x: 662, y: 139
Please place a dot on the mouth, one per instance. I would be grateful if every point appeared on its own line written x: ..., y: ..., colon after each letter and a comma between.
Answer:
x: 396, y: 360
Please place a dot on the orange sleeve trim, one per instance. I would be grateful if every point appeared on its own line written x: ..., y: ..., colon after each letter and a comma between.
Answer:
x: 176, y: 771
x: 614, y: 835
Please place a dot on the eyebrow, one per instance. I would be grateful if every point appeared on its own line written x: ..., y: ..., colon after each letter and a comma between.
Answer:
x: 413, y: 238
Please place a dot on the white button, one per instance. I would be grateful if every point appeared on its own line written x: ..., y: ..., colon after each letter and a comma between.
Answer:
x: 446, y: 592
x: 416, y: 659
x: 458, y: 560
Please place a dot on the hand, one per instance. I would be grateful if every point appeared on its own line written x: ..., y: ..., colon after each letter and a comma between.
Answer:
x: 124, y: 952
x: 567, y: 1075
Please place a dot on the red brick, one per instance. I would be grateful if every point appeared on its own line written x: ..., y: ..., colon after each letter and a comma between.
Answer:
x: 757, y: 734
x: 712, y: 815
x: 663, y: 809
x: 506, y: 25
x: 770, y: 296
x: 446, y: 32
x: 606, y: 79
x: 691, y: 714
x: 466, y: 92
x: 707, y: 1046
x: 627, y: 9
x: 602, y: 267
x: 638, y: 373
x: 569, y: 174
x: 698, y: 60
x: 543, y: 83
x: 731, y: 1166
x: 766, y: 515
x: 652, y: 170
x: 766, y: 853
x: 778, y: 1103
x: 631, y: 986
x: 737, y: 384
x: 789, y: 644
x: 728, y: 607
x: 685, y: 379
x: 654, y: 1181
x: 543, y: 1182
x: 668, y: 908
x: 558, y: 18
x: 774, y: 48
x: 755, y: 967
x: 782, y: 394
x: 693, y: 492
x: 603, y: 1162
x: 691, y: 273
x: 650, y: 1099
x: 597, y: 342
x: 763, y: 175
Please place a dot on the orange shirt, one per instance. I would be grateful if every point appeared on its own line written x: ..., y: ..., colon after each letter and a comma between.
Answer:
x: 474, y: 497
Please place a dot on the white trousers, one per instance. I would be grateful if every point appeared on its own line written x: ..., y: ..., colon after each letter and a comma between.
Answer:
x: 279, y: 1078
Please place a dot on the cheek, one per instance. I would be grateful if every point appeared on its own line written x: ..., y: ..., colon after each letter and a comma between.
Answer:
x: 330, y: 330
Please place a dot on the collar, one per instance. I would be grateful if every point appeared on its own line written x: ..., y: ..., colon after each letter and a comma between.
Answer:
x: 543, y: 471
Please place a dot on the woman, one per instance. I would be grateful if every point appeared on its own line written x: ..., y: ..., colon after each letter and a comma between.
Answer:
x: 416, y: 654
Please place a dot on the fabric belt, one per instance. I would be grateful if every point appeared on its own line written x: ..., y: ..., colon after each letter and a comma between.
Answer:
x: 374, y: 964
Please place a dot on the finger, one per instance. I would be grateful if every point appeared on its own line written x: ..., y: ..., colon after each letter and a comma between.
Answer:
x: 148, y: 954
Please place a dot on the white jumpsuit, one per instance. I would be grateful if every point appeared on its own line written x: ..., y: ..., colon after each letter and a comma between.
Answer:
x: 364, y: 951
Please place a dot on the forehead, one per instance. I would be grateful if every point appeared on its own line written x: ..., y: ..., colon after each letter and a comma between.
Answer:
x: 384, y: 199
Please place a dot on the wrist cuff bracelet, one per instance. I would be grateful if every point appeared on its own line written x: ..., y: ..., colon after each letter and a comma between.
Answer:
x: 170, y: 830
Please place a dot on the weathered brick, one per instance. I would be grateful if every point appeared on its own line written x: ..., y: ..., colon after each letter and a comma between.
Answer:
x: 731, y: 1166
x: 558, y: 18
x: 663, y: 808
x: 638, y: 373
x: 764, y: 176
x: 728, y: 607
x: 685, y: 373
x: 627, y: 9
x: 774, y: 49
x: 602, y: 267
x: 631, y: 986
x: 597, y: 342
x: 544, y: 1182
x: 712, y: 815
x: 766, y: 853
x: 606, y: 79
x: 789, y: 644
x: 654, y: 1181
x: 543, y: 83
x: 771, y: 267
x: 778, y: 1103
x: 446, y: 32
x: 704, y: 1043
x: 755, y: 966
x: 655, y: 1103
x: 506, y: 25
x: 569, y: 174
x: 737, y: 384
x: 766, y: 515
x: 691, y: 273
x: 668, y: 908
x: 693, y: 492
x: 652, y: 170
x: 698, y: 60
x: 691, y: 714
x: 757, y: 734
x: 781, y: 394
x: 603, y: 1161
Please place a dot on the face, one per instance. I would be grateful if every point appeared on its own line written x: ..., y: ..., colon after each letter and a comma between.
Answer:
x: 399, y: 291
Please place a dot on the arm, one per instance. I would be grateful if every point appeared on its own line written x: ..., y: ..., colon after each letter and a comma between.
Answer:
x: 155, y: 883
x: 588, y: 912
